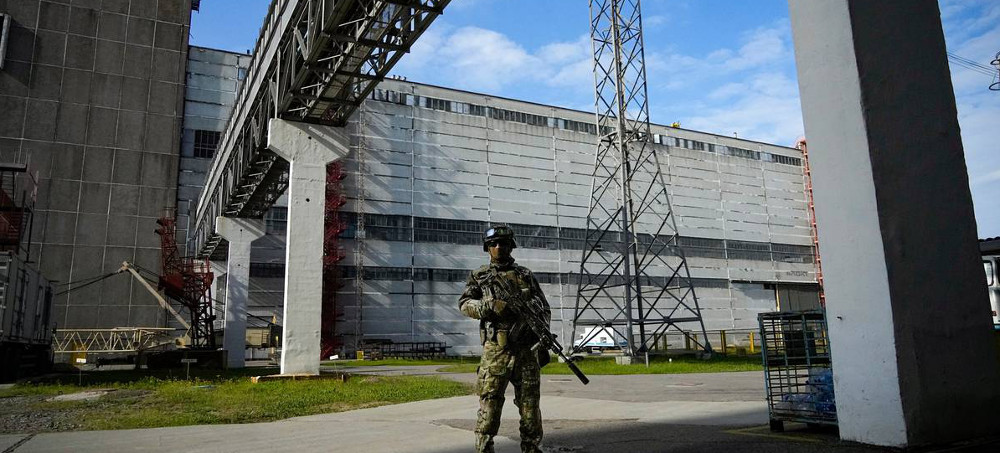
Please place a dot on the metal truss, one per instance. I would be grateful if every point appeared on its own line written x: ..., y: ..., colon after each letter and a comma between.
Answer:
x: 315, y: 61
x: 634, y: 279
x: 121, y: 339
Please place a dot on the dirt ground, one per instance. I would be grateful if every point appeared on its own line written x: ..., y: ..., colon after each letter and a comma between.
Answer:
x: 38, y: 414
x: 18, y: 414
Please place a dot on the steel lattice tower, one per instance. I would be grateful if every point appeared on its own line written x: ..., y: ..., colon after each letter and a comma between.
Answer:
x: 634, y: 278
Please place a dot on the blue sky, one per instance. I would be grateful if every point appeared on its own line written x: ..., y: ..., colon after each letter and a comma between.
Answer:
x: 720, y: 66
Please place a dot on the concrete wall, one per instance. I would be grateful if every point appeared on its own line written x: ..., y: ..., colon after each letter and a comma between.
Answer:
x: 92, y: 95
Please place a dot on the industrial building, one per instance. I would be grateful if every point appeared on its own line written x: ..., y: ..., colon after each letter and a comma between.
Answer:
x: 92, y: 95
x: 430, y: 168
x: 439, y: 165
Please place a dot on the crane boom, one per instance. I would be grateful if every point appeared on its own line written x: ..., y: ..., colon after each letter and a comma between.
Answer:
x: 127, y: 267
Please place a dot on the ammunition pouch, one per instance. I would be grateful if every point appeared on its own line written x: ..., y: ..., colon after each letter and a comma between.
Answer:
x: 543, y: 356
x: 517, y: 336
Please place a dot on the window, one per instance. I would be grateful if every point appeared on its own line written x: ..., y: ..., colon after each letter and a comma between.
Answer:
x: 387, y: 273
x: 786, y: 160
x: 437, y: 104
x: 790, y: 253
x: 241, y: 73
x: 745, y: 250
x: 579, y: 126
x: 745, y: 153
x: 988, y: 268
x: 267, y: 270
x: 536, y: 236
x: 276, y: 220
x: 205, y: 143
x: 5, y: 21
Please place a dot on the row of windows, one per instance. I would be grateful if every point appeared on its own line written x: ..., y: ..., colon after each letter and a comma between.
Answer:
x: 560, y: 123
x: 519, y: 117
x: 469, y: 232
x: 418, y: 274
x: 696, y: 145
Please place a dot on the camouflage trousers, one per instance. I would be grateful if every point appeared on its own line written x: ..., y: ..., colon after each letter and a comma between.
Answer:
x: 498, y: 367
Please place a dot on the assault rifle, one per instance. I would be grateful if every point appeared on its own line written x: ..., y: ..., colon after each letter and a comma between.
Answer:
x: 530, y: 310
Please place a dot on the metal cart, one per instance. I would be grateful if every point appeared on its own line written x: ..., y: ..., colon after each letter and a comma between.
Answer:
x: 798, y: 377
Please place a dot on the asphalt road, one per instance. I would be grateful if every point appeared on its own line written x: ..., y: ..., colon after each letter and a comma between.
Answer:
x: 723, y: 412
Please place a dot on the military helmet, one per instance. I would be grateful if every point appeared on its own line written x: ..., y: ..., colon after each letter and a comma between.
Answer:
x: 497, y: 234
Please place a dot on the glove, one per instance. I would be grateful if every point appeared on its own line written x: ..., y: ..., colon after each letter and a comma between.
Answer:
x: 498, y: 306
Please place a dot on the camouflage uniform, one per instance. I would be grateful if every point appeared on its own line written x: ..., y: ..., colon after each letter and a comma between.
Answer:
x: 507, y: 356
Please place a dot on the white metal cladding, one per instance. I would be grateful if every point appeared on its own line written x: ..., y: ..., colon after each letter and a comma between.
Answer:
x: 444, y: 165
x: 434, y: 164
x: 25, y: 303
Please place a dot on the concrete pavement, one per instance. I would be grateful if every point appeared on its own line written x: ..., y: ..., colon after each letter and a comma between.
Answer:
x: 648, y: 413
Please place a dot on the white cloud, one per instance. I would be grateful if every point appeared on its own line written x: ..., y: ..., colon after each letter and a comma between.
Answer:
x: 563, y: 52
x: 727, y: 91
x: 484, y: 60
x: 749, y: 89
x: 765, y: 108
x: 654, y: 21
x: 992, y: 176
x: 764, y: 46
x: 762, y: 49
x: 467, y: 4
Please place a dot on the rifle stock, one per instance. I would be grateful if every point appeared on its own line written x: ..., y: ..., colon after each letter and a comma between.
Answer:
x: 528, y: 309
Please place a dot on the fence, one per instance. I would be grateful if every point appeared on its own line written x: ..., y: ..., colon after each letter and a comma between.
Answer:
x: 739, y: 342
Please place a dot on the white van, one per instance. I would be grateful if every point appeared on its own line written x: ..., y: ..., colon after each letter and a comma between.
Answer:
x: 598, y: 339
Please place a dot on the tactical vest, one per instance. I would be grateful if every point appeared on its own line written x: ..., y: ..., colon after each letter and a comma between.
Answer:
x: 507, y: 330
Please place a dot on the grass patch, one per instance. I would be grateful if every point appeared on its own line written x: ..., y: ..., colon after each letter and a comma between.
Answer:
x: 143, y: 401
x: 657, y: 365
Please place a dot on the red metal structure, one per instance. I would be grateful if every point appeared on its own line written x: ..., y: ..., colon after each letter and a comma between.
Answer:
x: 330, y: 342
x: 801, y: 144
x: 187, y: 281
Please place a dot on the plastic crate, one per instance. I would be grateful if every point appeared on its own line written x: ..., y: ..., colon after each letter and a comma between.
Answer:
x: 798, y: 375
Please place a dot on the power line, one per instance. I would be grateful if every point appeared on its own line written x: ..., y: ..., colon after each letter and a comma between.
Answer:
x: 93, y: 280
x: 971, y: 64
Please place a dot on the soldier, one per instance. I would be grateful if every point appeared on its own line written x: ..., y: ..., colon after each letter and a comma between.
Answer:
x: 508, y: 354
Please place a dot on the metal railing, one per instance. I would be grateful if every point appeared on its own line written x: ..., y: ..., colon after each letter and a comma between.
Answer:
x: 315, y: 61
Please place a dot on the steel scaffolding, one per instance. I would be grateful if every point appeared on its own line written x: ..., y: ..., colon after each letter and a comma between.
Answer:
x: 120, y: 339
x: 634, y: 278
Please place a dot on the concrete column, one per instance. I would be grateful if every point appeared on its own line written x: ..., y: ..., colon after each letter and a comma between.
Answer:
x: 913, y: 355
x: 240, y: 233
x: 308, y: 148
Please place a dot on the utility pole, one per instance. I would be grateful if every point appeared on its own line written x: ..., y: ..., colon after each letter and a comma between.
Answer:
x: 634, y: 279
